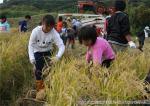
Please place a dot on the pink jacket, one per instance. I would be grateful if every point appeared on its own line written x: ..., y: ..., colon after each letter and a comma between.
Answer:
x: 100, y: 51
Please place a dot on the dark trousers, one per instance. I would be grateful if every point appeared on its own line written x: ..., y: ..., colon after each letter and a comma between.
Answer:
x: 107, y: 63
x: 147, y: 79
x: 141, y: 42
x: 40, y: 58
x: 64, y: 38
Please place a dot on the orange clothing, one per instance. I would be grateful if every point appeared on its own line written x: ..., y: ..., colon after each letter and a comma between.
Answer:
x: 59, y: 26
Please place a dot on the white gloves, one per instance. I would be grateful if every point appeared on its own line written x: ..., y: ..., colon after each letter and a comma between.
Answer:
x: 132, y: 44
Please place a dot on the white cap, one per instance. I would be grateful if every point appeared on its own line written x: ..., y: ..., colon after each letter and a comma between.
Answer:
x: 147, y: 28
x: 68, y: 18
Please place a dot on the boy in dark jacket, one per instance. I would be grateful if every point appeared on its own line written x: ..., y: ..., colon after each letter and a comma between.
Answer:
x: 23, y: 25
x: 118, y: 29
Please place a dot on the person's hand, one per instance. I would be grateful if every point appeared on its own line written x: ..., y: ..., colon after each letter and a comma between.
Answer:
x: 132, y: 44
x: 34, y: 67
x: 33, y: 61
x: 54, y: 59
x: 136, y: 38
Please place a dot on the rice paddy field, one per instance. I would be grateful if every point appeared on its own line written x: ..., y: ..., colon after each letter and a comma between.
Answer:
x: 71, y: 81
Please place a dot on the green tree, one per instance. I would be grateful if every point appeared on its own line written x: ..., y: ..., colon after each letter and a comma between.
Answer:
x: 139, y: 17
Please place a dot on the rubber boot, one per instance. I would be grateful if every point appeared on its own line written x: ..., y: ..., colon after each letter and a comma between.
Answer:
x: 40, y: 95
x: 39, y: 85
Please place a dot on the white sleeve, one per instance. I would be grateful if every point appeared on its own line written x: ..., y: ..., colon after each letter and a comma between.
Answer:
x: 59, y: 43
x: 32, y: 42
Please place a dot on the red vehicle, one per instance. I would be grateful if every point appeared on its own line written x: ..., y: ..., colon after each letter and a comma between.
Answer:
x: 97, y: 6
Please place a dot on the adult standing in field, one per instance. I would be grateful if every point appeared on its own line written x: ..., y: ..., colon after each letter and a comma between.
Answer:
x: 118, y: 30
x: 4, y: 25
x: 142, y: 34
x: 59, y: 24
x: 23, y: 25
x: 40, y: 47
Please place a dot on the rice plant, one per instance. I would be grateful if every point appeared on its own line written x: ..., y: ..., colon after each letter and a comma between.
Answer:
x: 72, y: 81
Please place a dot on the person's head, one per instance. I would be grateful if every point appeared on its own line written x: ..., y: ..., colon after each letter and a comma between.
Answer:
x: 40, y: 23
x: 111, y: 10
x: 3, y: 18
x: 69, y: 19
x: 48, y: 23
x: 27, y: 17
x: 120, y: 5
x: 87, y: 35
x: 64, y: 24
x: 60, y: 18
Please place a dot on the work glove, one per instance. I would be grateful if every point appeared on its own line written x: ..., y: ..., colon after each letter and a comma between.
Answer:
x: 132, y: 44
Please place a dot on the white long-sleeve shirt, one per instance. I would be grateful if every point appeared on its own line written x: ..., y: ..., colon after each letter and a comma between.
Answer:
x: 42, y: 42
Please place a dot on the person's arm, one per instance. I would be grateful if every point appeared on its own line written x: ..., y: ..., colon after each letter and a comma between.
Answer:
x: 105, y: 26
x: 97, y: 56
x: 128, y: 37
x: 88, y: 56
x: 8, y: 27
x: 32, y: 42
x: 125, y: 28
x: 130, y: 42
x: 19, y: 28
x: 59, y: 43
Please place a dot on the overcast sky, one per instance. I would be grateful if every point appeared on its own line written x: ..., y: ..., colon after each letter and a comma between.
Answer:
x: 1, y: 1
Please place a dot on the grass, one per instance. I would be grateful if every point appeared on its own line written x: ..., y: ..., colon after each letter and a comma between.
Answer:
x: 72, y: 80
x: 15, y: 70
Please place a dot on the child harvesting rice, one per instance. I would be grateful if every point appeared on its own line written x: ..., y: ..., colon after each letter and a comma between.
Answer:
x: 40, y: 47
x: 99, y: 50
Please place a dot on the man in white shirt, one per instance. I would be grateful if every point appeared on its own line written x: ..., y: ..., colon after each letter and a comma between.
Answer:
x: 40, y: 46
x: 146, y: 31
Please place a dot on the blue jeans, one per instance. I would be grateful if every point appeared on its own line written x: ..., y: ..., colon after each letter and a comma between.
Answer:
x: 40, y: 58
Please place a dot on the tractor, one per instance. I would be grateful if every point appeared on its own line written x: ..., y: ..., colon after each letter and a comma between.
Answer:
x: 97, y: 6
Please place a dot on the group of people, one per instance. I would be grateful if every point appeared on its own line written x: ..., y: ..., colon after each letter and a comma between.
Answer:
x: 68, y: 30
x: 5, y: 25
x: 101, y: 51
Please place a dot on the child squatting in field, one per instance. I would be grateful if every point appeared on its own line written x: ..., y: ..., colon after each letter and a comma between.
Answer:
x: 99, y: 50
x: 40, y: 47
